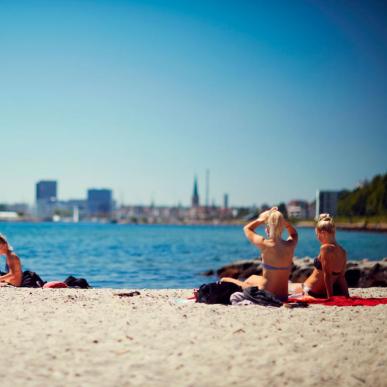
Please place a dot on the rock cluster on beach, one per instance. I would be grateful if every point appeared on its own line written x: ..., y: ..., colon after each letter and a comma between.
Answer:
x: 359, y: 274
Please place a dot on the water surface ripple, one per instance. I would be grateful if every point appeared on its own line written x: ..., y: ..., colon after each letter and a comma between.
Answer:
x: 152, y: 256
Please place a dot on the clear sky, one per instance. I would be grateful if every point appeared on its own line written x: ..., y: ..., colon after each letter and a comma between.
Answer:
x: 275, y: 98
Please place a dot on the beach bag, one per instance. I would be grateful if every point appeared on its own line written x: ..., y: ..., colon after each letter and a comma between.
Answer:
x: 79, y: 283
x: 217, y: 293
x: 31, y: 280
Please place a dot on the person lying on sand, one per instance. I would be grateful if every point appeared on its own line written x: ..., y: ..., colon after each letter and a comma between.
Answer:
x: 277, y: 254
x: 329, y: 266
x: 13, y: 275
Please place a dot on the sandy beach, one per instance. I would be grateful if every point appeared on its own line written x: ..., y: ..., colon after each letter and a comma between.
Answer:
x: 61, y: 337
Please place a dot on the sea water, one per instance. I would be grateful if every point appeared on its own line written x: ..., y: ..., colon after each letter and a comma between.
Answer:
x: 152, y: 256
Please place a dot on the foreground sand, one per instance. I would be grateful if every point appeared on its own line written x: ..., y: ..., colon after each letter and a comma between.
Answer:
x: 61, y: 337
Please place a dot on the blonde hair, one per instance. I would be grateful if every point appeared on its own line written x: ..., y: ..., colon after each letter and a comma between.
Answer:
x: 275, y: 224
x: 325, y: 223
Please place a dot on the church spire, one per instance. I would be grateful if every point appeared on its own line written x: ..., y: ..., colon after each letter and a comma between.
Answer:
x: 195, y: 195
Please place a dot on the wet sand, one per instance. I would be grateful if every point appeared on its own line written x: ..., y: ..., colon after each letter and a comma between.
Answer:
x: 61, y: 337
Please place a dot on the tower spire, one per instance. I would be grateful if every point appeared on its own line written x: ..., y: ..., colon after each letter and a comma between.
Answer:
x: 207, y: 188
x: 195, y: 195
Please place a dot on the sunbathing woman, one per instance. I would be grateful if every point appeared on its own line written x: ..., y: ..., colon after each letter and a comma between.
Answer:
x: 13, y: 275
x: 329, y: 266
x: 277, y: 254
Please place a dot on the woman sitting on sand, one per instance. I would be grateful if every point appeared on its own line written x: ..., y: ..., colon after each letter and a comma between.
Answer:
x: 329, y: 266
x: 277, y: 254
x: 13, y: 275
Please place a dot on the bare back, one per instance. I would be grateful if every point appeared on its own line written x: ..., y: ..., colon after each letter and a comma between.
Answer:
x: 333, y: 259
x: 277, y: 254
x: 277, y: 258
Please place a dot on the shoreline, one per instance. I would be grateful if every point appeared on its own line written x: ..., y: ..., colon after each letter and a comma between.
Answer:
x: 61, y: 337
x: 357, y: 226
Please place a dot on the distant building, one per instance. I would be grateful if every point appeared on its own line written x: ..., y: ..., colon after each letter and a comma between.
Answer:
x: 312, y: 209
x: 99, y: 202
x: 78, y: 205
x: 298, y: 209
x: 46, y: 190
x: 326, y: 202
x: 46, y: 198
x: 67, y: 208
x: 225, y: 201
x: 9, y: 215
x: 20, y: 208
x: 195, y: 196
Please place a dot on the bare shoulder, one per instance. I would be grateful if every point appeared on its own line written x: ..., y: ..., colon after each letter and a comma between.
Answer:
x: 260, y: 243
x: 327, y: 249
x: 291, y: 242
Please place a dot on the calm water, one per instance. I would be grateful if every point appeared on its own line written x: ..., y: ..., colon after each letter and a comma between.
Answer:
x: 151, y: 256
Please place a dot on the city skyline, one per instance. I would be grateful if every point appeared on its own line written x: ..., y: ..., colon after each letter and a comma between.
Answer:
x: 140, y: 96
x: 46, y: 192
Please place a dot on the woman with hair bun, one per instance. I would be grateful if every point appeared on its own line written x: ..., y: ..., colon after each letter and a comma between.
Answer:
x: 277, y: 254
x: 329, y: 267
x: 13, y: 275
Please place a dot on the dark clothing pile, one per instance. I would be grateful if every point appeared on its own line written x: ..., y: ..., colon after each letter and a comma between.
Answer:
x: 79, y: 283
x: 33, y: 280
x: 227, y: 293
x: 254, y: 295
x: 217, y: 293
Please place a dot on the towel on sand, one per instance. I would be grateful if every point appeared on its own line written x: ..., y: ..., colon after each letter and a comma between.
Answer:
x: 342, y: 301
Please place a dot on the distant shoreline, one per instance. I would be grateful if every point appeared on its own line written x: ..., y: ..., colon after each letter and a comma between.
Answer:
x: 358, y: 226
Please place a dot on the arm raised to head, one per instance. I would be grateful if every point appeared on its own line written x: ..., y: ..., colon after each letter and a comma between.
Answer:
x: 293, y: 235
x: 249, y: 229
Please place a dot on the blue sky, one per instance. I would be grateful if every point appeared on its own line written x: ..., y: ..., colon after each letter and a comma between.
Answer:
x: 275, y: 98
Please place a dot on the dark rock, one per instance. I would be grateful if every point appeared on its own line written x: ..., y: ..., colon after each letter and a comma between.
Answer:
x: 376, y: 268
x: 361, y: 274
x: 252, y: 270
x: 300, y: 274
x: 352, y: 276
x: 231, y: 272
x: 236, y: 269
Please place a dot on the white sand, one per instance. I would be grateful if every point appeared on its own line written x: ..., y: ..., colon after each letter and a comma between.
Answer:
x: 62, y: 337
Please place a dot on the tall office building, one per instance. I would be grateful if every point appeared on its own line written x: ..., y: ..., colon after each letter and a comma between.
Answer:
x: 99, y: 202
x: 46, y: 190
x: 225, y: 201
x: 195, y: 196
x: 326, y: 202
x: 46, y: 198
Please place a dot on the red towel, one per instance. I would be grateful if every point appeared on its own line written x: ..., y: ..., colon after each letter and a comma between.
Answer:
x: 342, y: 301
x: 55, y: 284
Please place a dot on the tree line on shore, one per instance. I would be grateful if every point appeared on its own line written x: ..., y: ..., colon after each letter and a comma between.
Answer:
x: 368, y: 200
